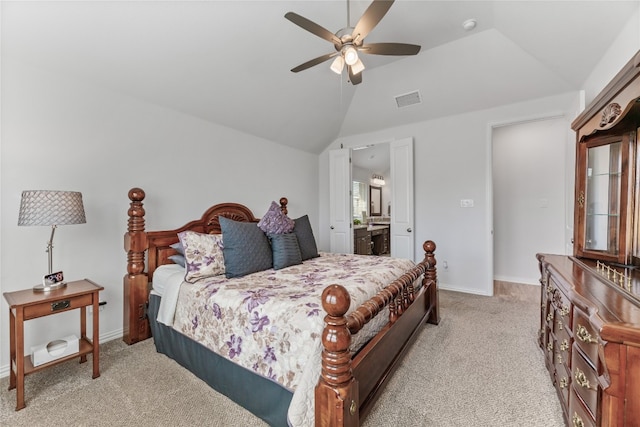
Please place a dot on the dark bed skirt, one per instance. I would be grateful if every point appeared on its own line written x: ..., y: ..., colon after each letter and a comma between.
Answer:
x: 264, y: 398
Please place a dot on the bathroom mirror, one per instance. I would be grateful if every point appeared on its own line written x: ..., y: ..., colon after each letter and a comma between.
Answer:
x: 375, y: 201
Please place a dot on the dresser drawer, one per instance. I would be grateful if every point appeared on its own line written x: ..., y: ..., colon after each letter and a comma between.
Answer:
x: 578, y: 415
x: 586, y: 337
x: 361, y: 232
x: 562, y: 350
x: 584, y: 382
x: 561, y: 321
x: 548, y: 353
x: 562, y: 381
x: 378, y: 232
x: 561, y: 334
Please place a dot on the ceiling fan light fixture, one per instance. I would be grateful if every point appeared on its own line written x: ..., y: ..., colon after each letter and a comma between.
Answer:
x: 357, y: 67
x: 350, y: 39
x: 337, y: 65
x: 350, y: 55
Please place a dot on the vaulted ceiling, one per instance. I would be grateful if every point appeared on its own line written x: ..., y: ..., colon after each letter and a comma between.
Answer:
x: 228, y: 62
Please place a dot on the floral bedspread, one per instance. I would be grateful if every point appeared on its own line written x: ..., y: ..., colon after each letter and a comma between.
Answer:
x: 271, y: 322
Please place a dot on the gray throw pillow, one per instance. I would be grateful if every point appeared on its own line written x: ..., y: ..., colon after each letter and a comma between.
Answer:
x: 178, y: 247
x: 306, y: 241
x: 178, y: 259
x: 286, y: 251
x: 246, y: 248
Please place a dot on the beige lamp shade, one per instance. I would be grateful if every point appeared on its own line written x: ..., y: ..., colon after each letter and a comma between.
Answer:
x: 43, y: 207
x: 53, y: 208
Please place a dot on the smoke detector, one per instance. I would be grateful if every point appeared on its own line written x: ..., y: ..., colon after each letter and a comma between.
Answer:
x: 469, y: 24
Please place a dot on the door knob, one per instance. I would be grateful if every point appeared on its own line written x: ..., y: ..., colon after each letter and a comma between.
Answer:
x: 332, y: 227
x: 409, y: 230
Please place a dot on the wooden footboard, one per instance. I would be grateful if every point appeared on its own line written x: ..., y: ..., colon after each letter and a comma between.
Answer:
x: 348, y: 387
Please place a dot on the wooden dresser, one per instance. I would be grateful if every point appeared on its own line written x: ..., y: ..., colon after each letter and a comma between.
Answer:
x: 590, y: 335
x: 590, y: 303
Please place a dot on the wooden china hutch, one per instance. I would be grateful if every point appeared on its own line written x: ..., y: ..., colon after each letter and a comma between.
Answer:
x: 590, y: 311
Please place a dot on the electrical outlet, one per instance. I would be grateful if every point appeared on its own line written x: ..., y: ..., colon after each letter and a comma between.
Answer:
x: 101, y: 305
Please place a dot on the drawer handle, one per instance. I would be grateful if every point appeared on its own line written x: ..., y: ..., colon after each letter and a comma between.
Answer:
x: 560, y: 327
x: 559, y: 358
x: 577, y: 421
x: 550, y: 316
x: 582, y: 380
x: 564, y: 311
x: 584, y: 335
x: 564, y: 346
x: 564, y: 382
x: 549, y: 347
x: 60, y: 305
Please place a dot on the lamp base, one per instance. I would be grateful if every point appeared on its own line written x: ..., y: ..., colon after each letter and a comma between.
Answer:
x: 48, y: 288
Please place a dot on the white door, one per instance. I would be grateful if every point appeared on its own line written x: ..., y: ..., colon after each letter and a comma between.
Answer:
x: 340, y: 219
x: 402, y: 235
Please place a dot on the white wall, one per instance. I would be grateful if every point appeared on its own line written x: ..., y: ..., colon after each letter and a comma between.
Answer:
x: 621, y: 51
x: 58, y: 133
x: 528, y: 196
x: 452, y: 158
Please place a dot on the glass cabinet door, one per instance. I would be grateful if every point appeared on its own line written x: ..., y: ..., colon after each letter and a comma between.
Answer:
x: 607, y: 217
x: 602, y: 198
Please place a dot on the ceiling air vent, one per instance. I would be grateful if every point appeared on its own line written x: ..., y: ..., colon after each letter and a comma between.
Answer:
x: 407, y: 99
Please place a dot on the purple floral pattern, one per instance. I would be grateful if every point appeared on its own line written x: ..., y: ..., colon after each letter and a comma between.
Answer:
x: 203, y: 255
x: 271, y: 321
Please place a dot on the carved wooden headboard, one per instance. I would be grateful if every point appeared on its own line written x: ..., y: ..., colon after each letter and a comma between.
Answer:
x: 159, y: 249
x: 159, y: 242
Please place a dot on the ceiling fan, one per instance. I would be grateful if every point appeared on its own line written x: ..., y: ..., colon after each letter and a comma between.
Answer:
x: 350, y: 40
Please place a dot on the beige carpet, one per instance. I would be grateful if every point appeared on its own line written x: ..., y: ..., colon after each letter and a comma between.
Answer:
x: 480, y: 367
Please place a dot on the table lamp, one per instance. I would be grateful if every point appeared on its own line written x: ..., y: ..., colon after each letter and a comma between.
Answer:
x: 44, y: 207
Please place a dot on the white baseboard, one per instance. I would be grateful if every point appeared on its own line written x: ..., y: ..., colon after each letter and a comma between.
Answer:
x: 109, y: 336
x: 446, y: 287
x: 522, y: 280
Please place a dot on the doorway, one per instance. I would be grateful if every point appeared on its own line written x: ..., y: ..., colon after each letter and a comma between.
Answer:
x: 368, y: 162
x: 399, y: 203
x: 529, y: 194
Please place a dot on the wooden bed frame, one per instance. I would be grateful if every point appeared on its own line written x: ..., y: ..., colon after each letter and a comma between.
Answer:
x: 349, y: 384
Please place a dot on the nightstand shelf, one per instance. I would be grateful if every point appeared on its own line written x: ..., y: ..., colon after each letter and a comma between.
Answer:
x: 86, y: 347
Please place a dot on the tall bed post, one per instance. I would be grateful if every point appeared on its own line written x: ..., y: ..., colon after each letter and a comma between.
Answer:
x: 337, y: 390
x: 431, y: 276
x: 136, y: 281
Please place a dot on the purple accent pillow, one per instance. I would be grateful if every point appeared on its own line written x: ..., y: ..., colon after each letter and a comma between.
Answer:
x: 275, y: 221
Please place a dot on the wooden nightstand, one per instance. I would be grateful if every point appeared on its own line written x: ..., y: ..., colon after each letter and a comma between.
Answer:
x: 27, y: 305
